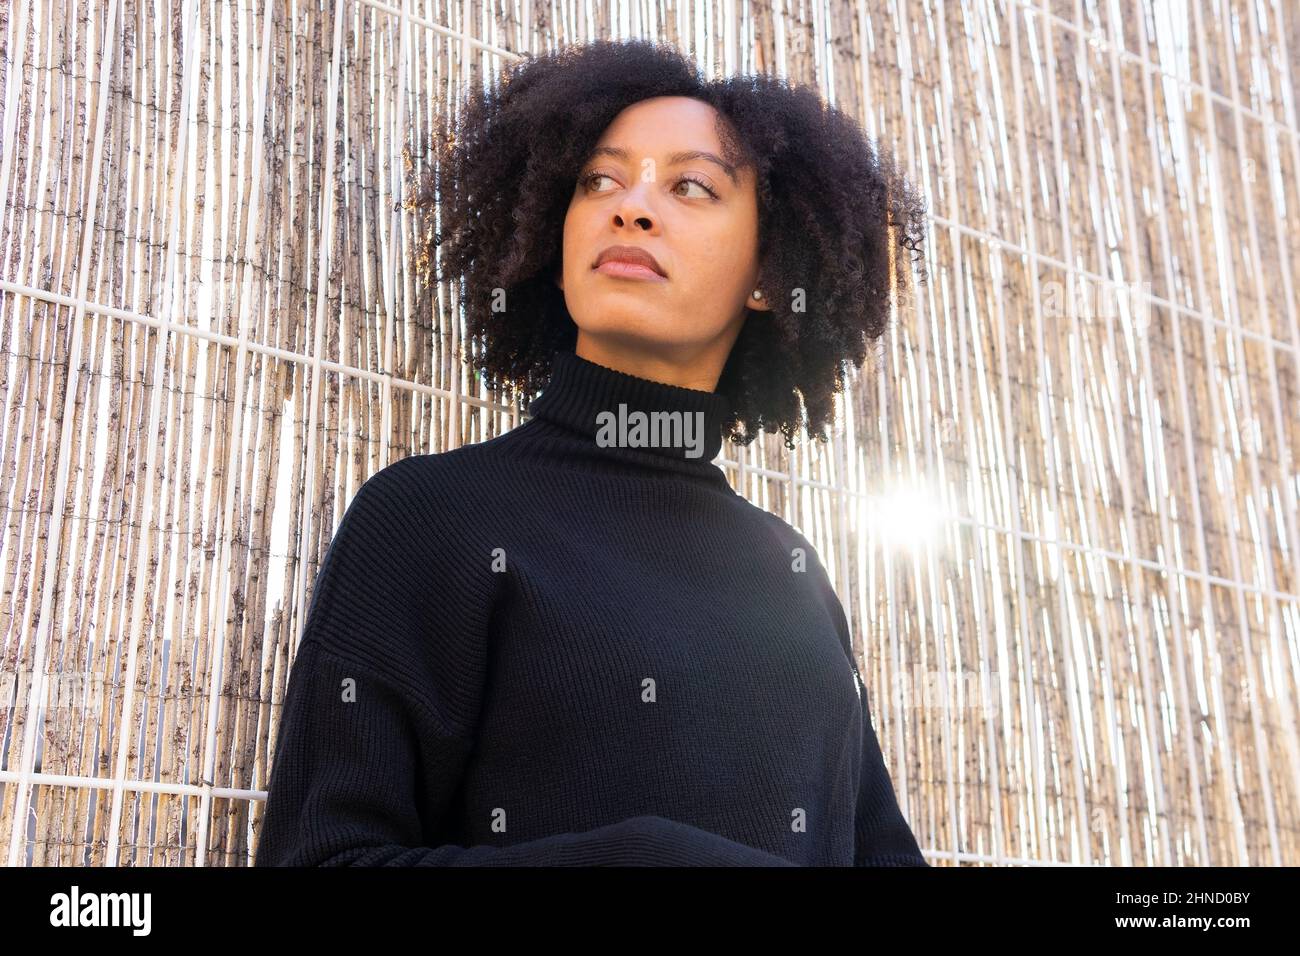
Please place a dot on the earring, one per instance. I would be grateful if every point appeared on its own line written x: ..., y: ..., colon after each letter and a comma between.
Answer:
x: 757, y: 294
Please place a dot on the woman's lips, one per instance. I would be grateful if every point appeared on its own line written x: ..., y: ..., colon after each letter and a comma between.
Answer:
x: 628, y: 270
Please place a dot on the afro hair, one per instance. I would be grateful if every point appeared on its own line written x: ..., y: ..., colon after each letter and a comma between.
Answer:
x: 834, y: 214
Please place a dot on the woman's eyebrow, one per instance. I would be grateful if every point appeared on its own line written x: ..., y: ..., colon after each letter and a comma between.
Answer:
x: 683, y: 156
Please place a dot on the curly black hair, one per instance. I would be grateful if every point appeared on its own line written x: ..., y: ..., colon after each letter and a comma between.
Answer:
x: 833, y: 212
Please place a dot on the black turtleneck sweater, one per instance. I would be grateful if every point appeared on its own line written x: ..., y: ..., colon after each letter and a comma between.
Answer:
x: 558, y: 648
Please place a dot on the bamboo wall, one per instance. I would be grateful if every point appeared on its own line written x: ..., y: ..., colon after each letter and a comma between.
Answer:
x: 1084, y: 649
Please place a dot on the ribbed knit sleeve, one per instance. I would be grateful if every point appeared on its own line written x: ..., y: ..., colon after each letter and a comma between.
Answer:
x: 378, y: 719
x: 882, y: 836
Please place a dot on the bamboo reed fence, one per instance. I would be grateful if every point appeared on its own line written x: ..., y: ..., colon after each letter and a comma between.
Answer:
x: 1091, y: 411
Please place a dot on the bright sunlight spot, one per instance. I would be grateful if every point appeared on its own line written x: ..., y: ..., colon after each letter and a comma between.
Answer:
x: 905, y: 518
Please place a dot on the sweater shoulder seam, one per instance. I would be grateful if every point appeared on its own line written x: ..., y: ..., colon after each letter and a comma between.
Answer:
x: 408, y: 693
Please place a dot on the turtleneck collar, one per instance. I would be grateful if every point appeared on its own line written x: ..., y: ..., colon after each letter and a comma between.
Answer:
x: 629, y: 416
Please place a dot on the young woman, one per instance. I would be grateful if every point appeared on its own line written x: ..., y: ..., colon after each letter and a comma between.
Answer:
x: 575, y: 644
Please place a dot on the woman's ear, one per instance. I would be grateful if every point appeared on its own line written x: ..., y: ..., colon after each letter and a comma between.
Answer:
x: 758, y: 301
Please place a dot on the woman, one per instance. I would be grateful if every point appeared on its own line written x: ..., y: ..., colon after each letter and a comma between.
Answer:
x: 574, y: 644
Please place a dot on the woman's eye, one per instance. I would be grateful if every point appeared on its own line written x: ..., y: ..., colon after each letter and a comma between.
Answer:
x: 589, y: 180
x: 688, y: 181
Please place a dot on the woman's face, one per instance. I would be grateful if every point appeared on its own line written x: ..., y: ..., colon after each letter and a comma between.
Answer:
x: 657, y: 182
